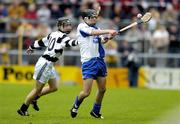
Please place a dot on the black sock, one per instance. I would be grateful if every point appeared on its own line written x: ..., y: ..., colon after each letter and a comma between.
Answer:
x: 37, y: 97
x: 24, y: 107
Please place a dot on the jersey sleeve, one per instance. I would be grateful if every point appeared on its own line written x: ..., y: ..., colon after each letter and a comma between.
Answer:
x: 41, y: 43
x: 84, y: 30
x: 71, y: 43
x: 68, y: 42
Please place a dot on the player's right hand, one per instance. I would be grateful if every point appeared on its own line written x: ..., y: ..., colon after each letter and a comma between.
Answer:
x: 29, y: 51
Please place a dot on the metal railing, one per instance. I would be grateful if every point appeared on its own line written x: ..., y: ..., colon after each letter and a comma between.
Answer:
x: 72, y: 57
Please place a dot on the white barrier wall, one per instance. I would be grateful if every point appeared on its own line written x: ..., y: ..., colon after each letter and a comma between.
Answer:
x: 163, y: 78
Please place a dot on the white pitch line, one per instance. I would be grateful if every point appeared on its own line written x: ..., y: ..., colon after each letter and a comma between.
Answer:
x: 170, y: 117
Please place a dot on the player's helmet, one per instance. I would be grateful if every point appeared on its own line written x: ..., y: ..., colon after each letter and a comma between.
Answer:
x: 88, y: 13
x: 63, y: 21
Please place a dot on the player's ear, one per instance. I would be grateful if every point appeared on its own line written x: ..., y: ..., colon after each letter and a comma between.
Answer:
x: 85, y: 18
x: 61, y: 27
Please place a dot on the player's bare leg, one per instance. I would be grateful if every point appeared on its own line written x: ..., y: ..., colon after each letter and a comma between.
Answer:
x: 35, y: 92
x: 86, y: 89
x: 30, y: 97
x: 52, y: 87
x: 101, y: 83
x: 83, y: 94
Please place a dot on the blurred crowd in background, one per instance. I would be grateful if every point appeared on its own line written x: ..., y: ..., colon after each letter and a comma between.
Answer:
x: 34, y: 19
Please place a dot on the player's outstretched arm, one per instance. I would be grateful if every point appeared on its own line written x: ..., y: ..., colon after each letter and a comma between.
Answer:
x: 102, y: 32
x: 68, y: 42
x: 38, y: 44
x: 71, y: 43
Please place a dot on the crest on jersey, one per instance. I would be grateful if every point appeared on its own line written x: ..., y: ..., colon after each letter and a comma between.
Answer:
x: 96, y: 39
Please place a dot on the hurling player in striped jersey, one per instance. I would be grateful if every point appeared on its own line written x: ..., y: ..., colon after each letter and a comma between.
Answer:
x: 54, y: 43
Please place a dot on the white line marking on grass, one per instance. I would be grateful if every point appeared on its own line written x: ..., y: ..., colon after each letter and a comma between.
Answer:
x: 170, y: 117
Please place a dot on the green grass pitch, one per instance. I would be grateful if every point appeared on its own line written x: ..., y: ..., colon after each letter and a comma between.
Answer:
x: 120, y: 106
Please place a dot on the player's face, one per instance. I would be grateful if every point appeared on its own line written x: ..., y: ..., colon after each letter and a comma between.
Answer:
x: 67, y: 28
x: 92, y: 20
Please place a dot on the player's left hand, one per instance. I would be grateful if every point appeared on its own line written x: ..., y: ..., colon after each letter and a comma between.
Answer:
x: 111, y: 36
x: 108, y: 37
x: 29, y: 51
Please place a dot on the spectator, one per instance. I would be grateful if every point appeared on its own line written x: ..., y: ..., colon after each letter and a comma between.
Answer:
x: 106, y: 23
x: 127, y: 8
x: 111, y: 53
x: 25, y: 29
x: 118, y: 11
x: 134, y: 36
x: 3, y: 18
x: 160, y: 44
x: 134, y: 11
x: 16, y: 12
x: 129, y: 60
x: 170, y: 15
x: 176, y: 5
x: 115, y: 14
x: 55, y: 11
x: 81, y: 8
x: 133, y: 69
x: 155, y: 20
x: 125, y: 49
x: 69, y: 14
x: 4, y: 48
x: 42, y: 30
x: 174, y: 44
x: 44, y: 13
x: 144, y: 5
x: 31, y: 13
x: 146, y: 38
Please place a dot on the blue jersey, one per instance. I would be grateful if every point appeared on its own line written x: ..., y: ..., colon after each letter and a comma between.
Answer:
x: 92, y: 52
x: 90, y: 46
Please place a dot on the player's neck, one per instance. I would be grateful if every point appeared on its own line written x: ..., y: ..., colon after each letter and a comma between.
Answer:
x: 94, y: 25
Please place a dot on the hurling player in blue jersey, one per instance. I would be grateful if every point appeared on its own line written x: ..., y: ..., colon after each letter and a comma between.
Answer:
x: 90, y: 41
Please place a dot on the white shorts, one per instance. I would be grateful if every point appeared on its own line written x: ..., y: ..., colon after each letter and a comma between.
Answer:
x: 44, y: 70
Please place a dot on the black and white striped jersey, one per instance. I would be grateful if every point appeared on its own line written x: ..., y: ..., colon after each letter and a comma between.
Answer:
x: 54, y: 43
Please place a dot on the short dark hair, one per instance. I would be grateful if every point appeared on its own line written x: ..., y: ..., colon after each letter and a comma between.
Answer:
x: 88, y: 13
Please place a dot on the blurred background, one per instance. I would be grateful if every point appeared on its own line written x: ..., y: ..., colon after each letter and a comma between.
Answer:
x: 153, y: 45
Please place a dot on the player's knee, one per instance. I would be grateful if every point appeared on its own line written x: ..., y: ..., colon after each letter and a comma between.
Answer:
x: 86, y: 94
x: 102, y: 90
x: 38, y: 91
x: 53, y: 89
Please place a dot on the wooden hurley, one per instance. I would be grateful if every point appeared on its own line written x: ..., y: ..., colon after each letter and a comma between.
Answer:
x: 147, y: 16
